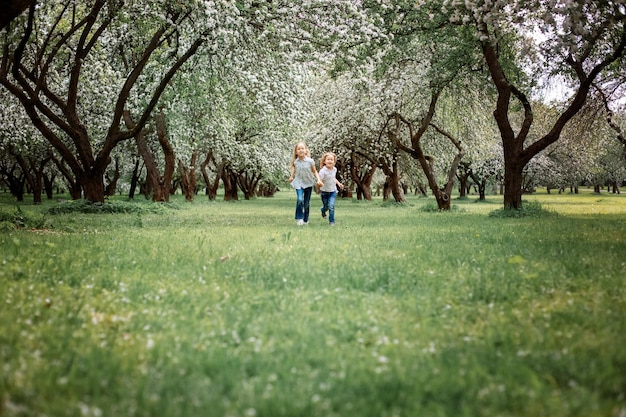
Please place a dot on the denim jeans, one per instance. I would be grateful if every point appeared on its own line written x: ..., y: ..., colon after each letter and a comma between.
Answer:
x: 328, y: 201
x: 303, y: 201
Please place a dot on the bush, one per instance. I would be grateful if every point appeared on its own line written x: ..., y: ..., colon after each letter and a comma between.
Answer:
x: 17, y: 219
x: 529, y: 209
x: 87, y: 207
x: 432, y: 207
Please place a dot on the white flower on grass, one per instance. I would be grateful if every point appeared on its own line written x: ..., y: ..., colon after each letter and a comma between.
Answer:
x: 88, y: 411
x: 430, y: 348
x: 149, y: 343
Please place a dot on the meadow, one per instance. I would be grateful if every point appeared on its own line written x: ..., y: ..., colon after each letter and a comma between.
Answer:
x: 230, y: 309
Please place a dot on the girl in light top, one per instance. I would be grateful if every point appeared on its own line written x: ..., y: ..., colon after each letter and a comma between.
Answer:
x: 303, y: 177
x: 328, y: 175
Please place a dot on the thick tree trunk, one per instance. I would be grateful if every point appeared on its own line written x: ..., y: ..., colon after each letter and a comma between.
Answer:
x: 112, y: 185
x: 513, y: 184
x: 362, y: 177
x: 93, y: 186
x: 248, y: 184
x: 267, y: 189
x: 211, y: 186
x: 463, y: 185
x: 48, y: 183
x: 422, y: 189
x: 393, y: 180
x: 159, y: 184
x: 463, y: 175
x: 169, y: 157
x: 15, y: 179
x: 188, y: 177
x: 229, y: 179
x: 482, y: 186
x: 443, y: 201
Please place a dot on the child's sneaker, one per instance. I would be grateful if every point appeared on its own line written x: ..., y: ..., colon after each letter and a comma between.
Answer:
x: 299, y: 222
x: 323, y: 212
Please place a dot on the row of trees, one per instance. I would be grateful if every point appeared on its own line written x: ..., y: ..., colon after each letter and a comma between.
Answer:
x: 146, y: 91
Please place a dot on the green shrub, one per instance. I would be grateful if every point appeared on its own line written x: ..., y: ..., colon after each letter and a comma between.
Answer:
x: 529, y: 209
x: 17, y: 219
x: 432, y: 207
x: 109, y: 207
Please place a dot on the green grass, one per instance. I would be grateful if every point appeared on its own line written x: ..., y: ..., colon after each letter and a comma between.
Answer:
x: 229, y: 309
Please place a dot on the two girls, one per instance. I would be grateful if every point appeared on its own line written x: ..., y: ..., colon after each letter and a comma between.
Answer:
x: 304, y: 176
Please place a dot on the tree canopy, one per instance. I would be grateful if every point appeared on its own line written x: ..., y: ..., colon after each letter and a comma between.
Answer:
x: 237, y: 82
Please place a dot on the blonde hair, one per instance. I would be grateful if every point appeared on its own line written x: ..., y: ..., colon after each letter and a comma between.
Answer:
x: 295, y: 153
x: 326, y: 155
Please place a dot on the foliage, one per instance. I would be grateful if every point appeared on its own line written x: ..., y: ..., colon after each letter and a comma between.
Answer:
x: 432, y: 207
x: 17, y: 218
x: 530, y: 209
x: 259, y: 81
x: 109, y: 207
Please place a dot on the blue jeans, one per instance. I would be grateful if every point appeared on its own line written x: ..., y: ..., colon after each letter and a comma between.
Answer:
x: 328, y: 201
x: 303, y: 201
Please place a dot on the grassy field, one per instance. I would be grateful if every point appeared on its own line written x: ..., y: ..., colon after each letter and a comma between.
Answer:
x: 229, y: 309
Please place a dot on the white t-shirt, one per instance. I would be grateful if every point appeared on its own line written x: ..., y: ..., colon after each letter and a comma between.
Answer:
x: 328, y: 178
x: 304, y: 177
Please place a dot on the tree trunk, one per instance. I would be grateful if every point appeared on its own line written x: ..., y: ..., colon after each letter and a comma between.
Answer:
x: 421, y: 188
x: 513, y: 184
x: 229, y: 179
x: 211, y: 186
x: 267, y: 189
x: 48, y: 183
x: 463, y: 175
x: 93, y: 186
x: 462, y: 185
x: 159, y: 184
x: 248, y: 183
x: 134, y: 180
x: 393, y: 179
x: 482, y: 186
x: 73, y: 184
x: 188, y: 177
x: 15, y: 179
x: 362, y: 176
x: 112, y: 185
x: 33, y: 173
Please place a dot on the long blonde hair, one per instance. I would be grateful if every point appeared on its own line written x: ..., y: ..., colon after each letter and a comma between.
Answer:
x: 295, y: 153
x: 326, y: 155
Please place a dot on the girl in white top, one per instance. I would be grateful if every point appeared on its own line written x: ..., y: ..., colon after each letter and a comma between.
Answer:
x: 328, y: 175
x: 303, y: 177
